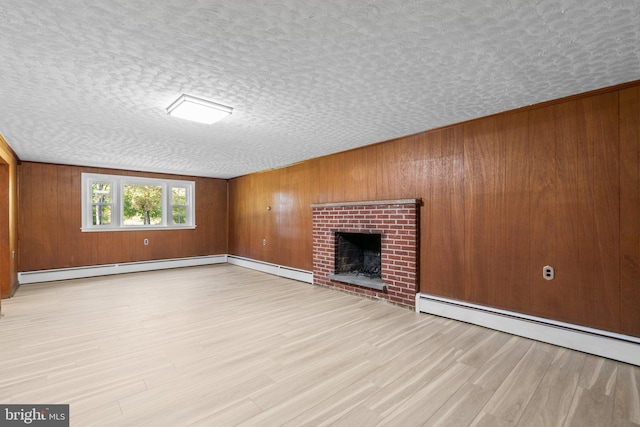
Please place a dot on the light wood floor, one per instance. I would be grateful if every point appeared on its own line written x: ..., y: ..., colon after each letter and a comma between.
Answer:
x: 222, y: 345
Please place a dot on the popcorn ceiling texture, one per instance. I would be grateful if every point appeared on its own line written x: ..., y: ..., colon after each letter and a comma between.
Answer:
x: 87, y: 82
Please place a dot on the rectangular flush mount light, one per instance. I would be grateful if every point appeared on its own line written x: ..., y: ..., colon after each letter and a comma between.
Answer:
x: 198, y: 110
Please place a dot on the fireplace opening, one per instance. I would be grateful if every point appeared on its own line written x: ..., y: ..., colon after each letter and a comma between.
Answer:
x: 358, y: 259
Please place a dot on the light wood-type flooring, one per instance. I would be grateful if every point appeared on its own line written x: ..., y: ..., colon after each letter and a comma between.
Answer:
x: 223, y: 345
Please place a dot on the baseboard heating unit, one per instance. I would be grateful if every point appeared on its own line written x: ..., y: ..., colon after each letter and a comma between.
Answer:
x: 275, y: 269
x: 614, y: 346
x: 108, y: 269
x: 134, y: 267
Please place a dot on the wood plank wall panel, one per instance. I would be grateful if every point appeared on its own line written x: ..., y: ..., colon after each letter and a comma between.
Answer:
x: 542, y: 248
x: 517, y: 212
x: 5, y: 254
x: 270, y: 185
x: 65, y: 210
x: 239, y: 228
x: 51, y: 220
x: 485, y: 191
x: 9, y: 211
x: 212, y: 234
x: 439, y: 169
x: 293, y: 219
x: 630, y: 210
x: 359, y: 181
x: 602, y: 293
x: 50, y: 245
x: 567, y: 212
x: 427, y: 154
x: 35, y: 243
x: 453, y: 228
x: 503, y: 196
x: 396, y: 176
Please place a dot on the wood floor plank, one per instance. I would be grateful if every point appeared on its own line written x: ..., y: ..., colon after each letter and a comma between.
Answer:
x: 423, y: 404
x: 627, y: 394
x: 590, y: 408
x: 223, y: 345
x: 492, y: 374
x: 462, y: 407
x: 511, y: 398
x: 552, y: 399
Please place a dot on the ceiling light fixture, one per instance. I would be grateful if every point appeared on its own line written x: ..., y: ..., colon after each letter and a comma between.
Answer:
x: 198, y: 110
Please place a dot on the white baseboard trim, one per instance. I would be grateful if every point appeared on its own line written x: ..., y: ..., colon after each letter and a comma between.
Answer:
x: 108, y: 269
x: 275, y: 269
x: 614, y: 346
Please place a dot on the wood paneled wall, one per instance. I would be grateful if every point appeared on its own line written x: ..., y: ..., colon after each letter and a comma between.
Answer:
x: 50, y: 222
x: 8, y: 220
x: 556, y: 184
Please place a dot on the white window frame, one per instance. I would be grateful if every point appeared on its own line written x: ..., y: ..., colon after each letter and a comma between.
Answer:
x: 117, y: 196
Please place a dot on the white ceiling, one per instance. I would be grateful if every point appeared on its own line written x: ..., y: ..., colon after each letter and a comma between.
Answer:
x: 87, y: 82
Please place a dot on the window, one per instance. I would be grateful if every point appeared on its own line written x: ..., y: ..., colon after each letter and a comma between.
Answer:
x: 115, y: 202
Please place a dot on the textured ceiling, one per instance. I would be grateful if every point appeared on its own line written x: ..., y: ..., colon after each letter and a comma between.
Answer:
x: 87, y: 82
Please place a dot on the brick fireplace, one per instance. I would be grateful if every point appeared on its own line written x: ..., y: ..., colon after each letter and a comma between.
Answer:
x: 396, y: 224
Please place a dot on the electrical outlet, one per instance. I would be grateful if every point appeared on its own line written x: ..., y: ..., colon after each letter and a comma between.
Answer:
x: 146, y: 242
x: 264, y: 242
x: 548, y: 272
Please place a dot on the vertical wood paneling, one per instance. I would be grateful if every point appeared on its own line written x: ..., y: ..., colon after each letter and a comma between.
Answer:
x: 428, y: 155
x: 26, y: 208
x: 5, y: 243
x: 355, y: 175
x: 322, y: 183
x: 239, y: 223
x: 470, y: 206
x: 602, y: 294
x: 294, y: 221
x: 33, y: 239
x: 630, y: 211
x: 50, y: 223
x: 270, y: 189
x: 212, y: 218
x: 65, y: 208
x: 542, y: 249
x: 404, y: 168
x: 51, y: 234
x: 386, y: 172
x: 440, y: 179
x: 9, y: 211
x: 517, y: 219
x: 454, y: 231
x: 484, y: 206
x: 568, y: 262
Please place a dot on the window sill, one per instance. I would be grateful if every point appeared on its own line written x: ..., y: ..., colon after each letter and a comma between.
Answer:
x: 133, y: 228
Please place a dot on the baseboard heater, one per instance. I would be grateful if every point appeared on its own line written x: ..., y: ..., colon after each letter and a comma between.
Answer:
x: 275, y: 269
x: 614, y: 346
x: 134, y: 267
x: 108, y: 269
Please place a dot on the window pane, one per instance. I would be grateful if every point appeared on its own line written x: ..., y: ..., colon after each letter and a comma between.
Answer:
x: 101, y: 214
x: 179, y: 214
x: 142, y: 204
x: 178, y: 196
x: 118, y: 202
x: 101, y: 192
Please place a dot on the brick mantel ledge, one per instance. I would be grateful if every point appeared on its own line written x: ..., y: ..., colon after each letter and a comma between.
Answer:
x: 368, y: 203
